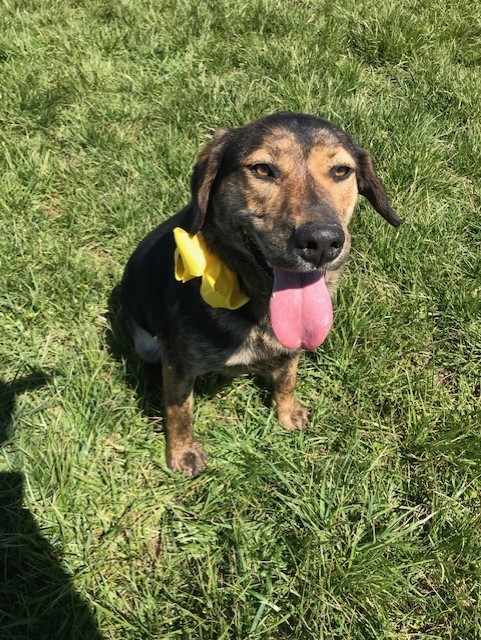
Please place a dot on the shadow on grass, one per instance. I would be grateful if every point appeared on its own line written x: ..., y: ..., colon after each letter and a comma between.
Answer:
x: 37, y: 600
x: 8, y: 393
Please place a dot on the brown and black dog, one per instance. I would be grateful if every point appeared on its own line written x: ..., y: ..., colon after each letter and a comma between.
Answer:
x: 271, y: 200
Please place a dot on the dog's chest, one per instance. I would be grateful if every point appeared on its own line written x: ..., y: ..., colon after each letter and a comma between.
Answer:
x: 259, y: 348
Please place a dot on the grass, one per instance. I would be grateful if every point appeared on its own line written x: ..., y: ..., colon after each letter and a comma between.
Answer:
x: 368, y: 525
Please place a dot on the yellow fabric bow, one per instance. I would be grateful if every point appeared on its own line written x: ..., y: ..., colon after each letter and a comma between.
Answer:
x: 220, y: 285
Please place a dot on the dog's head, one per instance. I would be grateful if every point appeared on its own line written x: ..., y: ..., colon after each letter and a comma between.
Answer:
x: 280, y: 193
x: 289, y: 184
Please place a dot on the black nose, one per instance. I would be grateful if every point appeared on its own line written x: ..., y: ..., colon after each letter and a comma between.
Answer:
x: 319, y: 243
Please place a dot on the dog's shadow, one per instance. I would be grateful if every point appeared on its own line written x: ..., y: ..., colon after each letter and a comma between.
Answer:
x: 144, y: 378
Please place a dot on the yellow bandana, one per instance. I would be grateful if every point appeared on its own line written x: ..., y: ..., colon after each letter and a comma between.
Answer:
x: 220, y: 285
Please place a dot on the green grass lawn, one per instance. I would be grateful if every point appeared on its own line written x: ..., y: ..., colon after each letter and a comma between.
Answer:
x: 368, y: 526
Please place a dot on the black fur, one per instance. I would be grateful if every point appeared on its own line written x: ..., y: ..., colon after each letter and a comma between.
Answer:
x: 190, y: 338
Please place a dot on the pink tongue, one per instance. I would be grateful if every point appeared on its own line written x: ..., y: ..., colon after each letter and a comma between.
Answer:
x: 301, y: 309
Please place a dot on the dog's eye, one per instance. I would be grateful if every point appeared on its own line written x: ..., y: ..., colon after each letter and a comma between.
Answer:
x: 341, y: 171
x: 263, y: 171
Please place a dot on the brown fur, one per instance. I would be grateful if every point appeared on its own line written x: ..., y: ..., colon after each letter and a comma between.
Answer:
x: 250, y: 219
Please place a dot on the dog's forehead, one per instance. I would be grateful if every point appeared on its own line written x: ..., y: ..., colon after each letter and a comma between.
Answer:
x: 290, y: 153
x: 296, y: 135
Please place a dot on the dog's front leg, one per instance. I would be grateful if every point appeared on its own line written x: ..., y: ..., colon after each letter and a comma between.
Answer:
x: 290, y: 413
x: 183, y: 452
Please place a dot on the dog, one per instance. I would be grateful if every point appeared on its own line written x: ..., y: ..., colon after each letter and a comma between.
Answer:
x: 267, y: 231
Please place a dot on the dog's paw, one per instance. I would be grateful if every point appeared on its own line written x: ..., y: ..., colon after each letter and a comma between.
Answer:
x: 189, y: 460
x: 293, y: 417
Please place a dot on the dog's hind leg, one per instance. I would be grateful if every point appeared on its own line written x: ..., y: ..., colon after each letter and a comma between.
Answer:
x: 183, y: 452
x: 290, y: 413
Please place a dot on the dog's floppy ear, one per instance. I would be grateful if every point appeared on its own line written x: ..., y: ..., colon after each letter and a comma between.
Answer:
x: 205, y: 172
x: 372, y: 188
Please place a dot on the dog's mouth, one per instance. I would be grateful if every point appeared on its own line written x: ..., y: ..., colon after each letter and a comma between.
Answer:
x: 300, y: 306
x: 258, y: 255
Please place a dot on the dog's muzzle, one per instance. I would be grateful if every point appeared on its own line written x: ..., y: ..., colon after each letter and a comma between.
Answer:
x: 257, y: 254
